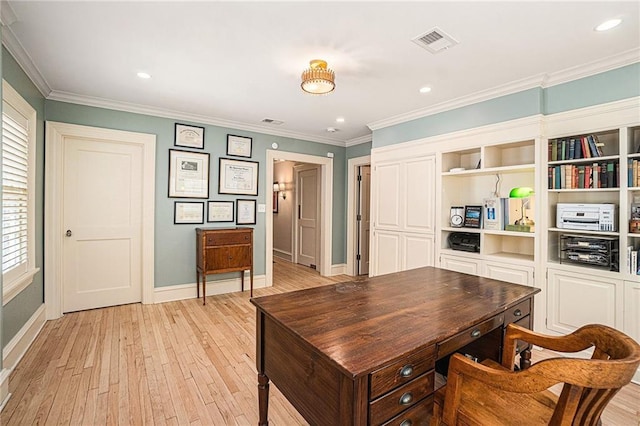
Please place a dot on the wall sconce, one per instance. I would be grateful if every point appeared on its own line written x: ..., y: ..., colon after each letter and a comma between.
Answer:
x: 280, y: 188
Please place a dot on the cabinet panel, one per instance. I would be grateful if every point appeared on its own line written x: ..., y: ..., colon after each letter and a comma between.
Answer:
x: 417, y: 250
x: 575, y: 300
x: 387, y: 252
x: 632, y: 309
x: 460, y: 264
x: 420, y: 195
x: 517, y: 274
x: 387, y: 193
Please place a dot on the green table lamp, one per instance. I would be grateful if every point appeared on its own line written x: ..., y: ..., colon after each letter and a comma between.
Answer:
x: 525, y: 193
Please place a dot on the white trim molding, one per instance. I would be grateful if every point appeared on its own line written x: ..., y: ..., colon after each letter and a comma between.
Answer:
x: 188, y: 291
x: 4, y: 387
x: 339, y: 269
x: 17, y: 347
x: 282, y: 254
x: 56, y: 133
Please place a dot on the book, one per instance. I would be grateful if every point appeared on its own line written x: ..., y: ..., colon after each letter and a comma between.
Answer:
x: 578, y: 149
x: 611, y: 183
x: 596, y: 175
x: 592, y: 146
x: 581, y: 177
x: 588, y: 176
x: 558, y: 177
x: 550, y: 175
x: 572, y: 149
x: 554, y: 150
x: 634, y: 262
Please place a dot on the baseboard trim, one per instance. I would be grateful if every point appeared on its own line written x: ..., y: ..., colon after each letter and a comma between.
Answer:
x: 188, y: 291
x: 339, y: 269
x: 17, y: 347
x: 281, y: 254
x: 4, y: 388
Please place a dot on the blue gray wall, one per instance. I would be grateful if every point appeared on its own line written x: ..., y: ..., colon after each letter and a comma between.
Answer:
x: 18, y: 311
x: 175, y: 244
x: 617, y: 84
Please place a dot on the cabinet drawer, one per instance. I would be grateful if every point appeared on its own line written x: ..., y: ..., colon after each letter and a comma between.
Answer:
x: 516, y: 313
x: 226, y: 238
x: 400, y: 399
x: 401, y: 371
x: 418, y: 415
x: 469, y: 335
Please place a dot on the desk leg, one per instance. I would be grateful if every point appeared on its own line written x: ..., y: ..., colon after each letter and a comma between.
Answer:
x: 197, y: 284
x: 525, y: 359
x: 251, y: 272
x: 263, y: 399
x: 242, y: 280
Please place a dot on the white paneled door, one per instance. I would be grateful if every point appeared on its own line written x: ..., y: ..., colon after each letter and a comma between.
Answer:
x: 308, y: 219
x: 102, y: 220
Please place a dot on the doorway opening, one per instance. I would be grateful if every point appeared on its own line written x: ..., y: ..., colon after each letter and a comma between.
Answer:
x: 309, y: 241
x: 358, y: 207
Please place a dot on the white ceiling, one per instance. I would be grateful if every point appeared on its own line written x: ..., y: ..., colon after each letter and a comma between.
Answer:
x: 236, y: 63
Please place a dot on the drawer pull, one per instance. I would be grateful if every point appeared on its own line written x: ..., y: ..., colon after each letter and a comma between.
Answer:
x: 406, y: 371
x: 476, y: 333
x: 407, y: 422
x: 517, y: 313
x: 406, y: 398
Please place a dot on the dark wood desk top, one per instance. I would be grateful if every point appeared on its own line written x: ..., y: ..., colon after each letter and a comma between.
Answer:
x: 359, y: 326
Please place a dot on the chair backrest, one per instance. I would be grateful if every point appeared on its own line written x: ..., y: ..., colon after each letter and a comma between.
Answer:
x: 591, y: 384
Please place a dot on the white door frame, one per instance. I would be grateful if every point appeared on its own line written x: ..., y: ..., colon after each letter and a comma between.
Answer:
x: 53, y: 226
x: 326, y: 208
x: 352, y: 201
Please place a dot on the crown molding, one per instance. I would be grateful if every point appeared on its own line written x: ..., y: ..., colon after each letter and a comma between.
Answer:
x: 474, y: 98
x: 602, y: 65
x: 359, y: 140
x: 10, y: 41
x: 177, y: 115
x: 543, y: 80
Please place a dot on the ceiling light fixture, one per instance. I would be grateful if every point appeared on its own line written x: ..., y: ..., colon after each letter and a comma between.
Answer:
x: 144, y: 75
x: 425, y: 89
x: 318, y: 79
x: 340, y: 120
x: 607, y: 25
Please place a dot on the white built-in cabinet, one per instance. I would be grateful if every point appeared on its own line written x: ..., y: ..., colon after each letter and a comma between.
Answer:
x: 403, y: 213
x: 415, y: 184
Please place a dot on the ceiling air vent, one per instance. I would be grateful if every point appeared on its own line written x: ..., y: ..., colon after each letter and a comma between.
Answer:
x: 272, y: 121
x: 435, y: 40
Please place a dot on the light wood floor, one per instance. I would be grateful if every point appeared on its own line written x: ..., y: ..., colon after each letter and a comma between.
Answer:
x: 176, y: 363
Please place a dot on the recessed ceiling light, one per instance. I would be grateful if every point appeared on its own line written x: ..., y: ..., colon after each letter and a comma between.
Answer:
x: 425, y: 89
x: 143, y: 75
x: 607, y: 25
x: 331, y: 129
x: 340, y: 120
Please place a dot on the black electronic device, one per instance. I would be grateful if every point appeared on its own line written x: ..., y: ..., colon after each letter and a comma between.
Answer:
x: 464, y: 241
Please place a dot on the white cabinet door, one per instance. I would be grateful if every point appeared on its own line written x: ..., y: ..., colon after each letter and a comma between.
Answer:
x: 576, y: 299
x: 419, y: 195
x: 417, y: 251
x: 460, y: 264
x: 386, y: 194
x: 632, y: 309
x: 387, y: 252
x: 517, y: 274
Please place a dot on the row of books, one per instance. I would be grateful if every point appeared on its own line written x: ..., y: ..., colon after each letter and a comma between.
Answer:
x: 632, y: 261
x: 633, y: 178
x: 604, y: 174
x: 575, y: 148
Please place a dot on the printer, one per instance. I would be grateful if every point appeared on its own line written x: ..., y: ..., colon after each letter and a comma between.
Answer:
x: 465, y: 241
x: 586, y: 217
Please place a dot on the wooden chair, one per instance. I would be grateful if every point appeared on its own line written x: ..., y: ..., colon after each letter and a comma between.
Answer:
x: 494, y: 394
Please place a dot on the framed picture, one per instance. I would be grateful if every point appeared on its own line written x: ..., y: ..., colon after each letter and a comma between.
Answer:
x: 472, y: 216
x: 239, y: 146
x: 188, y: 174
x: 189, y: 136
x: 275, y: 202
x: 220, y: 211
x: 246, y: 212
x: 188, y: 212
x: 238, y: 177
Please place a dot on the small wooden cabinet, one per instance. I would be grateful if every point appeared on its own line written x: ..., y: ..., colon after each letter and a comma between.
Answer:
x: 223, y: 250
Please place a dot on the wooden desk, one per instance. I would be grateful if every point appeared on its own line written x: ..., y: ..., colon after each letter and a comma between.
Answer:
x: 361, y: 353
x: 220, y: 250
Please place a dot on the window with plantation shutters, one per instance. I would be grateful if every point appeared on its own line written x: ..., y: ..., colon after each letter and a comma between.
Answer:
x: 18, y: 173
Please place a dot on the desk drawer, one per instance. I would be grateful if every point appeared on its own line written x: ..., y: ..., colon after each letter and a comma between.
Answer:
x: 418, y: 415
x: 227, y: 238
x: 400, y: 399
x: 469, y: 335
x: 402, y: 371
x: 516, y: 313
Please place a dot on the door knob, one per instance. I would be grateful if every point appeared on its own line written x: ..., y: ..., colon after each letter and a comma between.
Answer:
x: 69, y: 233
